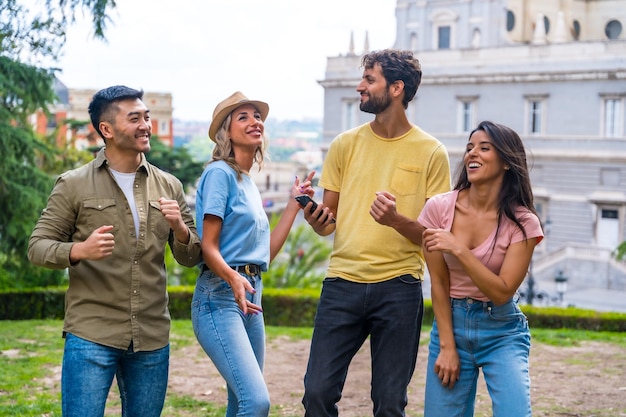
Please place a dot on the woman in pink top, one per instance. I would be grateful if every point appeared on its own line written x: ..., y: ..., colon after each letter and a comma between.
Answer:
x: 478, y: 243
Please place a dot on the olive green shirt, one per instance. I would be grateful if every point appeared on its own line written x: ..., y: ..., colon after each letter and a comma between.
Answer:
x: 121, y: 298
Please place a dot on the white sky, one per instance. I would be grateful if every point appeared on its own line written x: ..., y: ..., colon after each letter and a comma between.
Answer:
x: 201, y: 51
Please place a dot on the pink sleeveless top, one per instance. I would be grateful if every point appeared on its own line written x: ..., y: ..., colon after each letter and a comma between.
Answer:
x: 438, y: 213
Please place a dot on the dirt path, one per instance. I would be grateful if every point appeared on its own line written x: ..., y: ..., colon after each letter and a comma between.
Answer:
x: 584, y: 381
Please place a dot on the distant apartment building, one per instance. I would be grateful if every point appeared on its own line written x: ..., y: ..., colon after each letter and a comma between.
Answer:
x: 554, y: 71
x: 71, y: 120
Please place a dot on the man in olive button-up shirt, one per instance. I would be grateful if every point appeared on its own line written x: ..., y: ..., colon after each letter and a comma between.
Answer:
x: 108, y: 222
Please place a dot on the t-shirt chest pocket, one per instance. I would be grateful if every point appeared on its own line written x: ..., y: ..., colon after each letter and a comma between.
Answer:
x: 406, y: 179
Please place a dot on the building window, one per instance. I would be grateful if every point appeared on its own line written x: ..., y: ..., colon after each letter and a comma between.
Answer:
x: 164, y: 130
x: 414, y: 46
x: 466, y: 120
x: 576, y: 30
x: 443, y: 37
x: 613, y: 29
x: 613, y: 120
x: 535, y: 114
x: 350, y: 110
x: 476, y: 38
x: 443, y: 29
x: 607, y: 227
x: 510, y: 21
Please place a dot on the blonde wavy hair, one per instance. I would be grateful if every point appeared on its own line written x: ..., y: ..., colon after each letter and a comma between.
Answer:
x: 223, y: 150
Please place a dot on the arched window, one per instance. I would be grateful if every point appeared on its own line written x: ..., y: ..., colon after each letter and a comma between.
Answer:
x: 613, y: 29
x: 510, y: 20
x: 576, y: 30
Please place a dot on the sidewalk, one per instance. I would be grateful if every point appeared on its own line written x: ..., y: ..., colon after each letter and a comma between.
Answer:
x: 597, y: 299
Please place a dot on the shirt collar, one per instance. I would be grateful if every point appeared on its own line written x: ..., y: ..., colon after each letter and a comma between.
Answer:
x: 101, y: 160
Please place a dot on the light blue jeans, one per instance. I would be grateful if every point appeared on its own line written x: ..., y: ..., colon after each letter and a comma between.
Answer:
x: 234, y: 342
x: 494, y: 338
x: 87, y: 375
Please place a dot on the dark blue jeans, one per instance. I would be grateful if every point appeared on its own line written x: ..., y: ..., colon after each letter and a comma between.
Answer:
x: 390, y: 313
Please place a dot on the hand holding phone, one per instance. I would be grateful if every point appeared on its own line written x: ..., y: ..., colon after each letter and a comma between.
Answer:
x: 304, y: 199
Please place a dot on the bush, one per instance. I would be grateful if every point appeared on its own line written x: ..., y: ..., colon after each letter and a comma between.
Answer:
x: 295, y: 307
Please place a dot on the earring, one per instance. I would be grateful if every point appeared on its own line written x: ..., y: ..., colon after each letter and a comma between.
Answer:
x: 506, y: 167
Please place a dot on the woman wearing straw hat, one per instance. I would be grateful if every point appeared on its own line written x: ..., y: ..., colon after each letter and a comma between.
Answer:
x: 237, y: 247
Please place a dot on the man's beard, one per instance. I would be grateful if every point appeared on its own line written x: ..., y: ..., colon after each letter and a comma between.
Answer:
x: 376, y: 105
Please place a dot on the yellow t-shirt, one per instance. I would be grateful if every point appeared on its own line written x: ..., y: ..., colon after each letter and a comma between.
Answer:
x: 412, y: 167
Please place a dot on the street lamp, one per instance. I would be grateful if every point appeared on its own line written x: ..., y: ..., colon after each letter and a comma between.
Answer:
x: 561, y: 285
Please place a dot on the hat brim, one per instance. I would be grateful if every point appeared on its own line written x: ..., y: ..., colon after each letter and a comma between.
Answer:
x: 217, y: 121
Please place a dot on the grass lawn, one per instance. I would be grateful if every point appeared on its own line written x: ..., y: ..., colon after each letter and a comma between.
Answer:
x: 31, y: 354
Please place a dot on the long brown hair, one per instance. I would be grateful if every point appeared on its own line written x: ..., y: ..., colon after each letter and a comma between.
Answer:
x: 516, y: 190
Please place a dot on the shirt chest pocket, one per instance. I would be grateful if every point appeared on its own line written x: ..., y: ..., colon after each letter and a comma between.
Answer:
x: 157, y: 224
x: 99, y: 212
x: 406, y: 179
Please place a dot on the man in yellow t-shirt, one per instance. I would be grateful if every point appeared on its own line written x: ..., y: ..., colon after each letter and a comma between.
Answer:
x: 376, y: 179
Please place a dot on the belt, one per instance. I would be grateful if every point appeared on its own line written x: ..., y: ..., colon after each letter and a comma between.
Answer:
x: 248, y: 269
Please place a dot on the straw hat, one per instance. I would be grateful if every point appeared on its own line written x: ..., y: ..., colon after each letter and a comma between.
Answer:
x: 226, y: 106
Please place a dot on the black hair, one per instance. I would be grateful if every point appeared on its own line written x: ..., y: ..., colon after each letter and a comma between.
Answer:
x: 106, y: 99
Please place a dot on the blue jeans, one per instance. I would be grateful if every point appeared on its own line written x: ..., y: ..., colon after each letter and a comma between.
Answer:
x: 88, y: 371
x: 234, y: 342
x: 390, y: 313
x: 494, y: 338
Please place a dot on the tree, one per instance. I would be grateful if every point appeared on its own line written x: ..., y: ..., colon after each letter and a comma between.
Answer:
x: 28, y: 39
x: 176, y: 161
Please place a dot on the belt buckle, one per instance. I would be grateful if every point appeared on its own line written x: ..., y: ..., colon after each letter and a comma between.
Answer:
x: 247, y: 269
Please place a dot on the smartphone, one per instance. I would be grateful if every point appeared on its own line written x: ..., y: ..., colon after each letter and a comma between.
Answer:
x: 304, y: 199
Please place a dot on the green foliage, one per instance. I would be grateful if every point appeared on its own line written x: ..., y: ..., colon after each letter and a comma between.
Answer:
x: 302, y: 261
x: 574, y: 318
x: 295, y: 307
x: 27, y: 38
x: 620, y: 253
x: 24, y: 187
x: 176, y: 161
x: 26, y: 34
x: 178, y: 274
x: 201, y: 148
x: 34, y: 303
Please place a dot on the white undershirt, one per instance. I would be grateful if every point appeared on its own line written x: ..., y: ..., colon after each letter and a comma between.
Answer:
x: 126, y: 182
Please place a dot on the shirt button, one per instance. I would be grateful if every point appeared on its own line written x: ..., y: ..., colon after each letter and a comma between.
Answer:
x: 134, y: 291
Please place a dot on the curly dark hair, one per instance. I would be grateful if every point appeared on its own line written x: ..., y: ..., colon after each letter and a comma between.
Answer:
x: 397, y: 65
